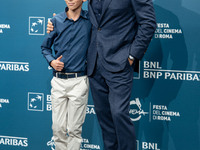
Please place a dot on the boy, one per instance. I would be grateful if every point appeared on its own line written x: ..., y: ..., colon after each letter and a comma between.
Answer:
x: 69, y: 93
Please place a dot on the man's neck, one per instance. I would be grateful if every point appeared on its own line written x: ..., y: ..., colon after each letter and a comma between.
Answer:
x: 74, y: 14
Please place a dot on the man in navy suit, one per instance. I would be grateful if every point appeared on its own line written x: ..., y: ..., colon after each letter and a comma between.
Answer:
x: 121, y: 33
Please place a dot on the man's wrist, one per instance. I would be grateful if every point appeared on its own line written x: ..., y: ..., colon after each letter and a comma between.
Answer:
x: 131, y: 57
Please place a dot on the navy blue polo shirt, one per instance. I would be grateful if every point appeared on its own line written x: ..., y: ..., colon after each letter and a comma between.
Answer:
x: 69, y: 39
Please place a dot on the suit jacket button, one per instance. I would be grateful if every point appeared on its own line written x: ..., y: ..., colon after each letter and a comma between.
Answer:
x: 99, y: 29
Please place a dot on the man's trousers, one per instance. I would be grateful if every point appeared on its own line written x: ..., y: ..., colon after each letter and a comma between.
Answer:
x: 69, y: 100
x: 111, y: 95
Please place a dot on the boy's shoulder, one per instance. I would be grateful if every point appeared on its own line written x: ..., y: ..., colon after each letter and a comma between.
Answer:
x: 58, y: 16
x: 62, y: 15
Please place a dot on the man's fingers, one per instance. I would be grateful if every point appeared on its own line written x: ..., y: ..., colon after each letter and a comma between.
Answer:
x: 49, y: 29
x: 50, y: 26
x: 49, y: 23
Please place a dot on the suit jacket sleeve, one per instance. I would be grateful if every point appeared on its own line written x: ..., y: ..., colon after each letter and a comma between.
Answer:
x: 145, y: 17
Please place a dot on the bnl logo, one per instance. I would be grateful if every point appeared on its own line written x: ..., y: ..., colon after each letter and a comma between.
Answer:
x: 150, y: 146
x: 35, y: 101
x: 146, y: 146
x: 36, y: 26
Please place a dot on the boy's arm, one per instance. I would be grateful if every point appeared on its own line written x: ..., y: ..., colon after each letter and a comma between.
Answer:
x: 46, y: 47
x: 47, y: 51
x: 47, y: 44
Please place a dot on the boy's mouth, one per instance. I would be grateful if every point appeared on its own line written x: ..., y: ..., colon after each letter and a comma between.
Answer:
x: 70, y: 4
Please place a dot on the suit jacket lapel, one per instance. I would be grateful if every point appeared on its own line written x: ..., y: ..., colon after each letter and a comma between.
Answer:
x: 104, y: 8
x: 91, y: 14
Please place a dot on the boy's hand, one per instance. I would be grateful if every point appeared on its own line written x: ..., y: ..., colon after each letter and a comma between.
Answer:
x: 57, y: 64
x: 50, y: 25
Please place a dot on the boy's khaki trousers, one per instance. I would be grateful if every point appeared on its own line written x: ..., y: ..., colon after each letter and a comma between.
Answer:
x: 69, y: 101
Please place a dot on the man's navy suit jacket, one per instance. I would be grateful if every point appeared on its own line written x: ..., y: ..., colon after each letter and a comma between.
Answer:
x: 125, y: 28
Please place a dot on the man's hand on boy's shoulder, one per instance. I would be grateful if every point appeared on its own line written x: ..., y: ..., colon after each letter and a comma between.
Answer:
x: 50, y: 25
x: 57, y: 64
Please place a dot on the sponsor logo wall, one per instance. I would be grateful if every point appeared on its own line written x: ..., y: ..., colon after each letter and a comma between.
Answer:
x: 36, y: 25
x: 14, y: 141
x: 3, y: 27
x: 164, y: 105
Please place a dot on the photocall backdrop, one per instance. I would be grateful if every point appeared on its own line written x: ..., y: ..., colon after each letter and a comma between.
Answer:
x: 165, y: 101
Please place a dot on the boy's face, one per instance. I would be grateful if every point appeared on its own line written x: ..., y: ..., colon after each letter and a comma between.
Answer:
x: 74, y: 4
